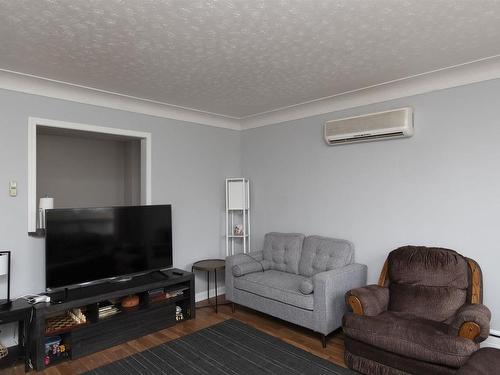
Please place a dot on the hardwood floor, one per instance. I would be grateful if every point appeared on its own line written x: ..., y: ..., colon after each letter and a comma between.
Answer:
x: 205, y: 317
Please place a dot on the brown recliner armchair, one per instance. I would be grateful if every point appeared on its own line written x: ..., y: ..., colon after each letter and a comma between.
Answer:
x: 425, y: 316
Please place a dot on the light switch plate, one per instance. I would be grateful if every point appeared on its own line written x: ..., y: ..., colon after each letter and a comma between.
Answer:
x: 13, y: 188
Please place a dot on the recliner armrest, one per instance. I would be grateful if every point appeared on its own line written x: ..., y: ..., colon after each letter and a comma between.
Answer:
x: 370, y: 300
x: 472, y: 322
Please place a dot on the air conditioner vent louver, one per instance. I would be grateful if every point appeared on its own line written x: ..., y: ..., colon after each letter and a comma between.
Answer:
x: 382, y: 125
x: 367, y: 137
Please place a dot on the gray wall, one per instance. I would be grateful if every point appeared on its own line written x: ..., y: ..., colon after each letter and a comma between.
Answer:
x: 87, y: 172
x: 440, y: 187
x: 189, y: 165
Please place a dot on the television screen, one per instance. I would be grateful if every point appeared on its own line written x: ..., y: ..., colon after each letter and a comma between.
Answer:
x: 88, y: 244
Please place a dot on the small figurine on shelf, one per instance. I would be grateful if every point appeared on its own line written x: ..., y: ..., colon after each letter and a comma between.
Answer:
x: 238, y: 230
x: 178, y: 313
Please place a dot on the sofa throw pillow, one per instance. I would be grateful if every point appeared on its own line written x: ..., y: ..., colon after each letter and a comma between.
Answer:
x: 250, y: 267
x: 283, y: 251
x: 306, y: 286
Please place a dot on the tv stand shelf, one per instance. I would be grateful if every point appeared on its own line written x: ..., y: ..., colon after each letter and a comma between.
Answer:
x: 127, y: 324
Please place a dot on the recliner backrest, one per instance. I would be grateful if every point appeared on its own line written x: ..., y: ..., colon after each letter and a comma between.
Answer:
x: 427, y: 282
x: 321, y: 254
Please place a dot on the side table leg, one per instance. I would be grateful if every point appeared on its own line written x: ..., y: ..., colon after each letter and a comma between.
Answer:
x: 208, y: 286
x: 215, y: 275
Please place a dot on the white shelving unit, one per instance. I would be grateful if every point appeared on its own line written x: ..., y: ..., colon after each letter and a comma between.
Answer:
x: 237, y: 215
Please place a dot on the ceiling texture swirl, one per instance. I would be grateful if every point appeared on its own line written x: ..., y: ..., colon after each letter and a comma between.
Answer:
x: 240, y: 58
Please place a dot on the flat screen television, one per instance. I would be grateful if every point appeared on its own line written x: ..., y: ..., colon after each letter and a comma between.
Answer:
x: 84, y: 245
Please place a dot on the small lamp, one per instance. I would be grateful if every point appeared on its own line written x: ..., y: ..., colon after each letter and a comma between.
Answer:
x: 5, y: 271
x: 46, y: 203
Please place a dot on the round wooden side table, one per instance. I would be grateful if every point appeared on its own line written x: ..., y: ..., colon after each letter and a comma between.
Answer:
x: 210, y: 265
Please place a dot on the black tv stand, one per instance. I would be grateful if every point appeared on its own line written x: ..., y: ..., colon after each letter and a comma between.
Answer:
x: 59, y: 296
x: 122, y: 279
x: 162, y: 273
x: 100, y: 333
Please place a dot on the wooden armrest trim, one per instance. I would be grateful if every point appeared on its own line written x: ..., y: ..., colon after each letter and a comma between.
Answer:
x: 469, y: 330
x: 355, y: 304
x: 382, y: 280
x: 475, y: 281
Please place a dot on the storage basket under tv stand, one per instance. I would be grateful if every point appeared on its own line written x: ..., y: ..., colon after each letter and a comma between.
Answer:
x: 99, y: 334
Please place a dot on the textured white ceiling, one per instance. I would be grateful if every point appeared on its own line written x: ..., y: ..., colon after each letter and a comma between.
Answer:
x: 244, y: 57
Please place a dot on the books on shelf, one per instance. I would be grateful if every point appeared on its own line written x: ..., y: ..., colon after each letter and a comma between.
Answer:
x: 174, y: 294
x: 107, y: 310
x: 157, y: 295
x: 154, y: 292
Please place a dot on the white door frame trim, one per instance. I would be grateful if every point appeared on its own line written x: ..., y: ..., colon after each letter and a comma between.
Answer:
x: 33, y: 122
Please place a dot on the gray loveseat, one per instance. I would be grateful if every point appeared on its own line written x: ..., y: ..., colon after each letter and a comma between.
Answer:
x: 302, y: 280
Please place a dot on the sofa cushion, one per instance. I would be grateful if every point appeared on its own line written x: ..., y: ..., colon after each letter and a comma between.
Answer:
x: 407, y: 335
x: 276, y: 285
x: 438, y: 304
x: 427, y: 282
x: 283, y: 251
x: 306, y: 286
x: 321, y: 254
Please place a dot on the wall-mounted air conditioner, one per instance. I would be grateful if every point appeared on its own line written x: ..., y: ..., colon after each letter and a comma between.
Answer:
x: 395, y: 123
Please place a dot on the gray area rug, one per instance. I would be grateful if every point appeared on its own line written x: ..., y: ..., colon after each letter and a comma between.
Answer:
x: 230, y: 347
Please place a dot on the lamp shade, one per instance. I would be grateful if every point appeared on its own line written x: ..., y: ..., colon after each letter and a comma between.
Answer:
x: 4, y: 264
x: 46, y: 203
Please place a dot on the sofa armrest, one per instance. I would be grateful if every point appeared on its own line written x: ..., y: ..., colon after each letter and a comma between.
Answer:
x: 329, y: 291
x: 237, y: 260
x: 370, y: 300
x: 472, y: 322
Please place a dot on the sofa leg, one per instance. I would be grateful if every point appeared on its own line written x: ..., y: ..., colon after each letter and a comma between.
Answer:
x: 233, y: 307
x: 323, y: 341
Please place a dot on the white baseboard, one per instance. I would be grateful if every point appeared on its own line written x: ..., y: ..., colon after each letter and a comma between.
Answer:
x: 201, y: 296
x: 493, y: 341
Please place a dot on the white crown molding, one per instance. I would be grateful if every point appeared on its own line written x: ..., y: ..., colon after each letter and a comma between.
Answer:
x: 30, y: 84
x: 454, y: 76
x: 458, y: 75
